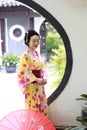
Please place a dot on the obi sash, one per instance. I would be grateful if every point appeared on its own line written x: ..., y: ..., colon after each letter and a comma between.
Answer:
x: 37, y: 73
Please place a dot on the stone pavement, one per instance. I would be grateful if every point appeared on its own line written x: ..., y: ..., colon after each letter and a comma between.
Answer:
x: 11, y: 98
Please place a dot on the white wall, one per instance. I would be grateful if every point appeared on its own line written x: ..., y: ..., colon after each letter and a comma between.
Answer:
x: 38, y: 21
x: 73, y: 17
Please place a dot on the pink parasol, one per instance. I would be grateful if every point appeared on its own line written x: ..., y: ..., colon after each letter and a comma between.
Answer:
x: 26, y: 120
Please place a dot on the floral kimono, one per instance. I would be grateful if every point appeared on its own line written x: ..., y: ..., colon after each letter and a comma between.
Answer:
x: 35, y: 98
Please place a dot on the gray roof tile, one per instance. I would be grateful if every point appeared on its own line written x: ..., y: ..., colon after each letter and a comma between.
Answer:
x: 6, y: 3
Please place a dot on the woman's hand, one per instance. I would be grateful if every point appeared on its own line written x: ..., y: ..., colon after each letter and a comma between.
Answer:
x: 44, y: 81
x: 41, y: 81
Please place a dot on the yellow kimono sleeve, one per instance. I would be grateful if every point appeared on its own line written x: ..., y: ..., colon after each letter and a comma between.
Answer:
x: 25, y: 75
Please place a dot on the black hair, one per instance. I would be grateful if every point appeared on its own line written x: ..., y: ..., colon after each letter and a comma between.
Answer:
x: 28, y: 35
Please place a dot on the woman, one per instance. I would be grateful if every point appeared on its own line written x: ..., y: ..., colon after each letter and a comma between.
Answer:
x: 32, y: 75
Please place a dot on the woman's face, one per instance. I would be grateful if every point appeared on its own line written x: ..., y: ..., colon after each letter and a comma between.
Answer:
x: 34, y: 42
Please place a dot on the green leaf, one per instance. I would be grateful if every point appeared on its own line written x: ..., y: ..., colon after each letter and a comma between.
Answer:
x: 82, y: 127
x: 9, y: 59
x: 81, y: 99
x: 84, y: 95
